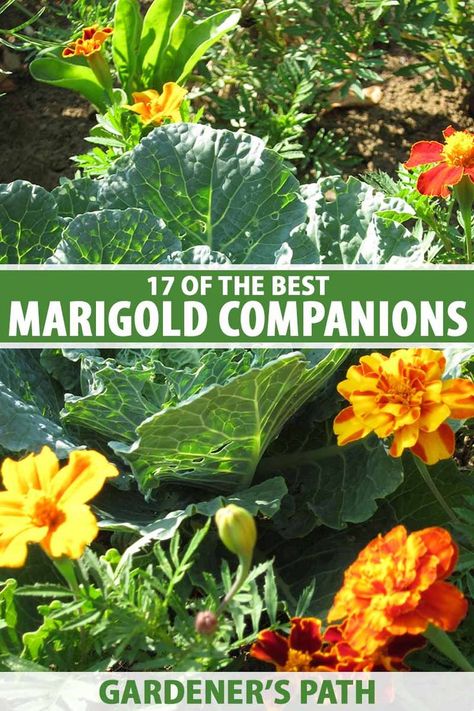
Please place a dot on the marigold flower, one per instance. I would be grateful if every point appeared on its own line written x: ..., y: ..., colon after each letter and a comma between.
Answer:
x: 397, y: 587
x: 47, y: 505
x: 308, y: 649
x: 453, y: 160
x: 153, y: 107
x: 403, y: 395
x: 89, y: 43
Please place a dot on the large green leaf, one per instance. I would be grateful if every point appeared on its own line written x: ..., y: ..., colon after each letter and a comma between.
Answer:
x: 188, y: 43
x: 129, y: 236
x: 213, y: 187
x: 116, y: 402
x: 29, y: 405
x: 74, y: 197
x: 30, y: 227
x: 325, y: 556
x: 352, y: 223
x: 216, y: 438
x: 126, y: 40
x: 69, y: 73
x: 159, y: 20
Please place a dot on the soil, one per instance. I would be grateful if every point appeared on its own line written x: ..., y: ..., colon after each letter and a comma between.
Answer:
x: 381, y: 135
x: 41, y: 127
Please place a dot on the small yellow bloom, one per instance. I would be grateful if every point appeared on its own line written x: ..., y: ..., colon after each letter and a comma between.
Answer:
x: 237, y: 530
x: 404, y: 397
x: 89, y: 43
x: 153, y: 107
x: 47, y: 505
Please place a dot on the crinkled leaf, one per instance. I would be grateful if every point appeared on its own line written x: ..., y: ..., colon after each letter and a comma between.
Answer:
x: 129, y: 236
x: 217, y: 438
x: 352, y: 223
x: 30, y: 227
x: 213, y: 187
x: 74, y: 197
x: 117, y: 401
x: 198, y: 255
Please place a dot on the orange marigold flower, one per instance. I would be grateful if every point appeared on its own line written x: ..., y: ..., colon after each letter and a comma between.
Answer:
x: 397, y: 587
x: 89, y: 43
x: 47, y: 505
x: 153, y: 107
x: 454, y: 159
x: 307, y: 649
x: 404, y: 396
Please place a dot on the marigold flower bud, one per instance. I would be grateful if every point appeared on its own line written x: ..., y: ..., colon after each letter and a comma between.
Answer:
x: 237, y: 530
x: 205, y: 622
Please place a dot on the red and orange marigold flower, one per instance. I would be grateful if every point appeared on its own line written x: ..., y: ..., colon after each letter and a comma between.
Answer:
x: 453, y: 159
x: 308, y: 649
x: 43, y: 503
x: 89, y: 43
x: 404, y: 397
x: 154, y: 108
x: 397, y: 587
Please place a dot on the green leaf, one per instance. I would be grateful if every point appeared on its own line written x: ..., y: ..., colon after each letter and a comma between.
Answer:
x: 216, y: 438
x: 30, y: 227
x: 129, y: 236
x: 24, y: 429
x: 69, y: 73
x: 159, y: 20
x: 128, y: 25
x: 74, y: 197
x: 352, y: 223
x: 117, y: 401
x: 242, y: 201
x: 189, y: 42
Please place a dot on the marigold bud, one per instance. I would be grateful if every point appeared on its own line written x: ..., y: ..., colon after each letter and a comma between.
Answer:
x: 205, y: 622
x: 237, y: 530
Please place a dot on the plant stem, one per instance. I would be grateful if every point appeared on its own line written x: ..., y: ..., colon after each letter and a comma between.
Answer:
x: 242, y: 573
x: 446, y: 646
x: 66, y: 567
x: 464, y: 194
x: 427, y: 478
x: 466, y: 218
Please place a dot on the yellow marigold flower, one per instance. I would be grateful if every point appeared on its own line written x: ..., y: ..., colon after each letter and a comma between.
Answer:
x: 404, y: 396
x: 397, y: 587
x: 153, y: 107
x: 46, y: 504
x: 89, y: 43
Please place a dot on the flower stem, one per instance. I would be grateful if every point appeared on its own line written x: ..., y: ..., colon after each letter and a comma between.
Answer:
x: 65, y: 566
x: 428, y: 479
x: 242, y: 573
x: 446, y: 646
x: 464, y: 194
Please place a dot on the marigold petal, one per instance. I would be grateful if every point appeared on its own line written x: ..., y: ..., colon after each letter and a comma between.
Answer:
x: 433, y: 414
x: 404, y: 438
x: 438, y: 543
x: 432, y: 447
x: 83, y: 477
x: 14, y: 542
x: 33, y: 472
x: 438, y: 179
x: 443, y: 605
x: 172, y: 96
x: 270, y: 647
x: 305, y: 635
x: 449, y: 131
x: 78, y: 530
x: 458, y: 395
x: 424, y: 152
x: 348, y: 427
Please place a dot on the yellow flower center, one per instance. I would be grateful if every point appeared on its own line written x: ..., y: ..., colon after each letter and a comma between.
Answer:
x: 400, y: 391
x: 459, y: 149
x: 297, y: 661
x: 43, y: 511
